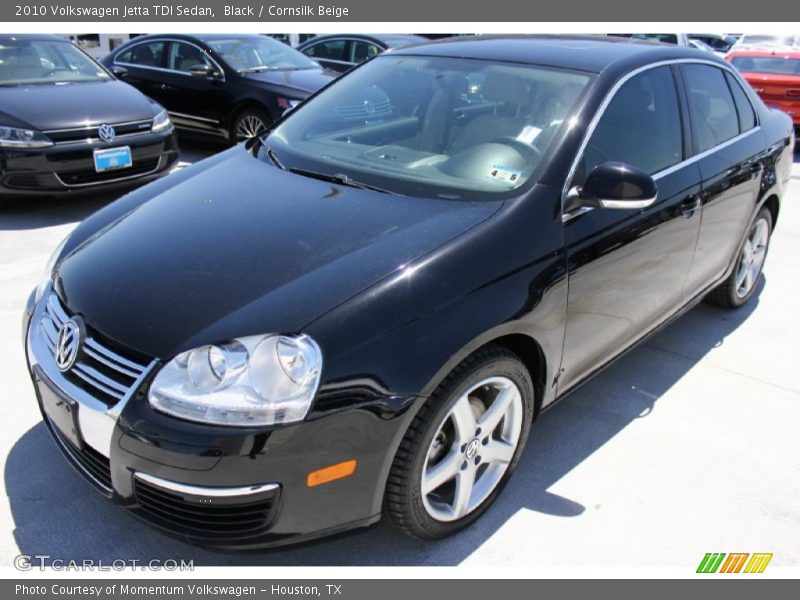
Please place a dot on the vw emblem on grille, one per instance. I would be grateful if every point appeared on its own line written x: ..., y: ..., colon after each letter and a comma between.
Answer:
x: 106, y: 132
x: 68, y: 344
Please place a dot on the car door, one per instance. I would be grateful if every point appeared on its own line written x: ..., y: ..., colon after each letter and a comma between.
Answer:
x: 199, y: 103
x: 331, y: 53
x: 627, y: 267
x: 144, y: 62
x: 727, y: 146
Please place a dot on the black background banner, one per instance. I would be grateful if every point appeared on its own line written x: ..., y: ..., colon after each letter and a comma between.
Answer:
x: 453, y: 11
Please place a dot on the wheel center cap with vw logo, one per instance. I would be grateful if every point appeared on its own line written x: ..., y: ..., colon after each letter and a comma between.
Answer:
x: 68, y: 345
x: 106, y: 132
x: 472, y: 449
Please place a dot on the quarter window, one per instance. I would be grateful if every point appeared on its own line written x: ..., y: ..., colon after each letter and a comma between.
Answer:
x: 331, y: 50
x: 145, y: 55
x: 361, y: 51
x: 714, y: 116
x: 640, y: 127
x: 747, y: 118
x: 182, y: 57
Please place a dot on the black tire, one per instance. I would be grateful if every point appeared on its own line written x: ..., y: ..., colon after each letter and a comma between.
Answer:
x: 726, y: 295
x: 403, y: 500
x: 245, y: 115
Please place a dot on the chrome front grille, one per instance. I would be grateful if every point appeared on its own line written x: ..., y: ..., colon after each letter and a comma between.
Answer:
x: 90, y: 132
x: 103, y: 373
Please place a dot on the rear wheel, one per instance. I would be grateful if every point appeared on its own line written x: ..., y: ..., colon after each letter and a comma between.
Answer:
x: 742, y: 283
x: 461, y: 448
x: 249, y: 123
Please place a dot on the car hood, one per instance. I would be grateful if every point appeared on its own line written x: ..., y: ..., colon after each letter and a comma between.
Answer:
x: 239, y: 247
x: 304, y: 80
x: 53, y: 106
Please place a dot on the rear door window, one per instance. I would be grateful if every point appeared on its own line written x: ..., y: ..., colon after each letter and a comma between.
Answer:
x: 714, y: 116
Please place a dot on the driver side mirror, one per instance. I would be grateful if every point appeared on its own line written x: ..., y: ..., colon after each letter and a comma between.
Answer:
x: 119, y: 71
x: 612, y: 185
x: 202, y: 71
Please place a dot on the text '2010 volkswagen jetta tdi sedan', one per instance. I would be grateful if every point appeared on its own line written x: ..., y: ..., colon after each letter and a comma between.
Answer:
x: 363, y: 312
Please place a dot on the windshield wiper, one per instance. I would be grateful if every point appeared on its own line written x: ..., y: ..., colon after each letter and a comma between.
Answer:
x: 255, y: 69
x: 274, y: 157
x: 341, y: 179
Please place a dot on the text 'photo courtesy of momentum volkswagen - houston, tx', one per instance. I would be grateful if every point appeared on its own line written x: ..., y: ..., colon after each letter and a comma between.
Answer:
x: 362, y: 311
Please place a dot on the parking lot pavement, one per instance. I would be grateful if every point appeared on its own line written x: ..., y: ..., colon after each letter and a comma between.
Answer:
x: 687, y: 445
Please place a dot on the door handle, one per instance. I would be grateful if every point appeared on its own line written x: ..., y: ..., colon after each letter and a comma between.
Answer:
x: 690, y: 205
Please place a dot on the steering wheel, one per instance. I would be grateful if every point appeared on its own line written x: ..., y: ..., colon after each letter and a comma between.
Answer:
x: 529, y: 150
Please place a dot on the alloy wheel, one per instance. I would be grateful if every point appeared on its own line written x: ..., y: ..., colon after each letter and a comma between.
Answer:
x: 751, y: 258
x: 472, y: 448
x: 249, y: 126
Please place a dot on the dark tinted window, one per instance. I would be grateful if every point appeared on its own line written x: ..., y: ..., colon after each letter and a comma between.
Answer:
x: 182, y: 57
x: 774, y: 65
x: 640, y: 127
x: 747, y: 118
x: 332, y: 50
x: 361, y: 51
x: 714, y: 116
x: 145, y: 55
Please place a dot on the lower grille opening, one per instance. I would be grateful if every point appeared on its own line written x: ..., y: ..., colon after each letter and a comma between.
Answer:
x: 89, y: 461
x: 88, y: 176
x: 192, y: 517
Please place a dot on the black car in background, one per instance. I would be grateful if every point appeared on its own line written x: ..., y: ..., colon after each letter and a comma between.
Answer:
x: 354, y: 317
x: 67, y: 124
x: 343, y: 52
x: 230, y: 86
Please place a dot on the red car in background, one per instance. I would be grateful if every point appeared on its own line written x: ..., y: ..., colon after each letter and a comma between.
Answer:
x: 775, y: 76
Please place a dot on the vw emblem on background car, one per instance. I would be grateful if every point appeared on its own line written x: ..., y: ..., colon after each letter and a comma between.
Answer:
x: 106, y: 132
x: 68, y: 343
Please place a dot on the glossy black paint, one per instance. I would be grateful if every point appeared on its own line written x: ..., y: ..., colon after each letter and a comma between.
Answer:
x: 351, y: 43
x: 617, y: 181
x: 224, y: 95
x: 398, y: 290
x: 48, y: 171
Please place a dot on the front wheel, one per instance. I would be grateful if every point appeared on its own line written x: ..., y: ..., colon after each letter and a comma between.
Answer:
x: 250, y: 123
x: 740, y: 286
x: 461, y: 448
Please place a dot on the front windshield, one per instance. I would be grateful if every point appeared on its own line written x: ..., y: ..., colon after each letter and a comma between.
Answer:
x: 432, y: 126
x: 259, y: 54
x: 27, y: 62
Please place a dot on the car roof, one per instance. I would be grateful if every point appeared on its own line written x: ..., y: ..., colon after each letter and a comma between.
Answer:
x: 42, y: 37
x: 369, y: 37
x: 581, y: 53
x: 765, y: 52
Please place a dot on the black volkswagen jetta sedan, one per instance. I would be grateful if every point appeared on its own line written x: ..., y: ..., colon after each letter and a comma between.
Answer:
x: 355, y: 317
x: 68, y: 125
x: 229, y: 86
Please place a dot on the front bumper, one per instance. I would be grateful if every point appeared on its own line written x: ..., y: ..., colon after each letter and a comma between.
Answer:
x: 68, y: 168
x: 217, y: 486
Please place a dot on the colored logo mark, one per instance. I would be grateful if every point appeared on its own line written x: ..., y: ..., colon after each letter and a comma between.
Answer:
x: 735, y: 562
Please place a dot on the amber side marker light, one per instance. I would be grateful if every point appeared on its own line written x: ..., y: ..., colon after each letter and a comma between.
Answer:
x: 332, y: 473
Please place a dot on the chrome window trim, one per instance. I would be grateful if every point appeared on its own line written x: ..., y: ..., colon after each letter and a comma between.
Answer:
x: 610, y: 96
x: 164, y: 69
x: 107, y: 181
x: 203, y: 491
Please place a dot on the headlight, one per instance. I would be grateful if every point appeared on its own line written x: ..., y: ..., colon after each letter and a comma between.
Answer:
x: 48, y: 270
x: 160, y: 122
x: 258, y: 380
x: 12, y: 137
